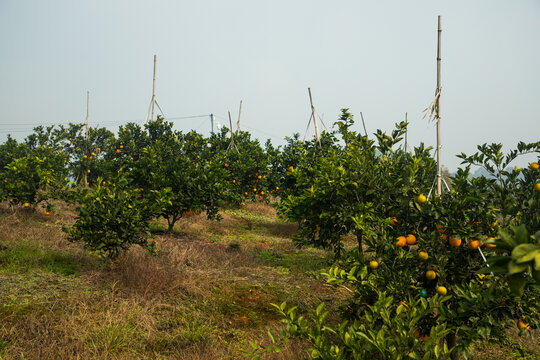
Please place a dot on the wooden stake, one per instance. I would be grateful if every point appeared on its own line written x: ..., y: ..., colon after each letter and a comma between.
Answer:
x: 438, y: 110
x: 363, y: 123
x: 314, y: 115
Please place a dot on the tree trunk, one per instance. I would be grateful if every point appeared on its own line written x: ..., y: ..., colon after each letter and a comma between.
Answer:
x: 359, y: 238
x: 451, y: 342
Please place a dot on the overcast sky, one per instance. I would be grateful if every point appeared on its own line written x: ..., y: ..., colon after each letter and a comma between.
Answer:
x: 375, y: 57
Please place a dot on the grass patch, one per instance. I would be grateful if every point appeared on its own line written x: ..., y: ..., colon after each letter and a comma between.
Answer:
x: 114, y: 337
x: 304, y: 262
x: 25, y: 256
x: 247, y: 215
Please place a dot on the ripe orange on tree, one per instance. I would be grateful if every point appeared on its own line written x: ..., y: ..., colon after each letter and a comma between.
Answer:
x: 522, y: 325
x: 421, y: 199
x: 423, y: 255
x: 473, y: 244
x: 401, y: 241
x: 411, y: 239
x: 118, y: 151
x: 430, y: 275
x: 440, y: 229
x: 533, y: 166
x: 537, y: 187
x: 488, y: 245
x: 373, y: 264
x: 441, y: 290
x: 394, y: 221
x: 26, y: 204
x: 454, y: 242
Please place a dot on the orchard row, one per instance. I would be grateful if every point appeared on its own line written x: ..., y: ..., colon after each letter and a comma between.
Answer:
x: 418, y: 273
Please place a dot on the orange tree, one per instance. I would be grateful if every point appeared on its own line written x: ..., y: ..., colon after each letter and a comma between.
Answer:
x: 184, y: 164
x: 245, y: 162
x: 114, y: 216
x: 515, y: 195
x: 34, y: 171
x: 350, y: 188
x: 413, y: 249
x: 285, y: 159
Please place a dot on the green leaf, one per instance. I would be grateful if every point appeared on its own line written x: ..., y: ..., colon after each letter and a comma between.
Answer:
x: 525, y: 252
x: 515, y: 268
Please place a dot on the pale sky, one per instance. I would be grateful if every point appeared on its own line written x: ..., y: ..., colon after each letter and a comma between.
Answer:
x: 375, y: 57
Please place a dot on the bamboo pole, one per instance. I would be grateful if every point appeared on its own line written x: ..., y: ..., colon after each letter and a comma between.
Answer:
x: 239, y: 112
x: 406, y: 132
x: 314, y: 115
x: 85, y: 173
x: 154, y: 89
x: 363, y: 122
x: 438, y: 110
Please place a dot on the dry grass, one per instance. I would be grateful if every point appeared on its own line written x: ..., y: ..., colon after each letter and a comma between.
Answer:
x: 206, y: 293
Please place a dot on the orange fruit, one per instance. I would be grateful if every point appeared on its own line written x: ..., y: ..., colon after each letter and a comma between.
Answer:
x: 226, y: 165
x: 430, y: 275
x: 373, y: 264
x: 394, y: 221
x: 522, y: 325
x: 533, y: 166
x: 411, y: 239
x: 93, y: 153
x: 473, y: 244
x: 441, y: 290
x: 290, y: 168
x: 490, y: 245
x: 254, y: 190
x: 423, y: 255
x: 440, y: 229
x: 421, y: 199
x: 245, y: 193
x: 103, y: 183
x: 234, y: 181
x: 262, y: 192
x: 26, y: 204
x: 277, y: 187
x: 88, y: 171
x: 454, y: 242
x: 259, y: 177
x: 98, y: 150
x: 444, y: 237
x: 404, y: 304
x: 118, y: 151
x: 121, y: 146
x: 537, y: 187
x: 401, y: 241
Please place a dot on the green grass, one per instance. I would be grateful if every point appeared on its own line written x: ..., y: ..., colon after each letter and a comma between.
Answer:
x: 301, y: 261
x: 251, y: 216
x: 26, y: 256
